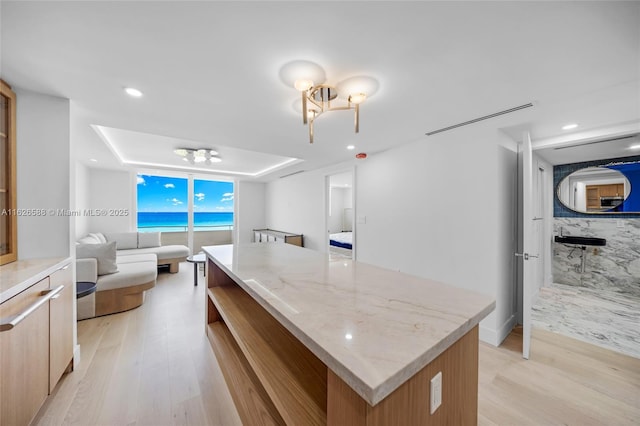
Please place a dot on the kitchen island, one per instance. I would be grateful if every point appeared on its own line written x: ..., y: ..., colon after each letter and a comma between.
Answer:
x: 303, y: 339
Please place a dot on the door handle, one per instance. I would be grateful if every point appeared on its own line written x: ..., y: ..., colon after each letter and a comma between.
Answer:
x: 45, y: 296
x: 526, y: 256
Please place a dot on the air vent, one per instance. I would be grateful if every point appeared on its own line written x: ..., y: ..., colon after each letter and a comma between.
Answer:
x: 475, y: 120
x: 291, y: 174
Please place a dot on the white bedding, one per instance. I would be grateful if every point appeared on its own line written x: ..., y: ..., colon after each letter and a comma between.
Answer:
x: 342, y: 237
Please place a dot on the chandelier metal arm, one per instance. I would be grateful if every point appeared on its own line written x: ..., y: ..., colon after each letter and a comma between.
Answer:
x: 304, y: 108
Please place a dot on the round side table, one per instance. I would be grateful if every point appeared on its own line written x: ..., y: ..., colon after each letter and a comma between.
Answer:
x: 85, y: 288
x: 196, y: 259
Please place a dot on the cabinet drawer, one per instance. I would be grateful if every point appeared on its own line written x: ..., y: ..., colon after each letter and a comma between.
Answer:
x: 24, y: 360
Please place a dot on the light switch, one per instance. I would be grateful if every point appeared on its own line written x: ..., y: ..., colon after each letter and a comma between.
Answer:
x: 436, y: 392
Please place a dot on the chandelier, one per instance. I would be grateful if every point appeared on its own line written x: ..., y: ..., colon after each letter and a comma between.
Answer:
x: 319, y: 96
x: 198, y: 156
x: 318, y: 99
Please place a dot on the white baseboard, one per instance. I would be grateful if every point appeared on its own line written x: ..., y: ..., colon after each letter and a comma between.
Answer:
x: 495, y: 337
x: 487, y: 335
x: 506, y: 328
x: 76, y: 356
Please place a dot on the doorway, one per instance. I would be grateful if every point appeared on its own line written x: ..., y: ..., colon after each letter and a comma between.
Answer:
x: 339, y: 215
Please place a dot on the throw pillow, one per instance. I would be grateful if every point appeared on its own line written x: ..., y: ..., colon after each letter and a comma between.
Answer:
x: 105, y: 254
x: 89, y: 239
x: 100, y: 237
x: 124, y: 240
x: 148, y: 239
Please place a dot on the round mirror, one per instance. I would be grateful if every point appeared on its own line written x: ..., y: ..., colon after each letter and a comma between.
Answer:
x: 595, y: 190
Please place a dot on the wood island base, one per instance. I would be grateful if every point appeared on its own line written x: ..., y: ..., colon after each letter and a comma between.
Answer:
x: 275, y: 379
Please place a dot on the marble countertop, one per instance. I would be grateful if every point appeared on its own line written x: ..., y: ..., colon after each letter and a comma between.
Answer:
x: 17, y: 276
x: 373, y: 327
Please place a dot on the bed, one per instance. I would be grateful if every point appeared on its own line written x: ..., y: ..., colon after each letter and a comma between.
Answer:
x: 342, y: 240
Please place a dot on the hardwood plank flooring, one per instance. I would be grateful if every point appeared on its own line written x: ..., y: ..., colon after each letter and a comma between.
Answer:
x: 153, y: 366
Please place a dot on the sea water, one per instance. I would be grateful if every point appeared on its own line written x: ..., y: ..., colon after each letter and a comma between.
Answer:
x: 177, y: 221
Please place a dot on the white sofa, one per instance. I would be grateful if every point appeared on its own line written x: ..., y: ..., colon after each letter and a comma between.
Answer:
x: 123, y: 270
x: 128, y: 243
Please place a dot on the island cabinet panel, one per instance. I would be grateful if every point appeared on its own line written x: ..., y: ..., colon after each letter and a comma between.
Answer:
x: 409, y: 404
x: 283, y: 364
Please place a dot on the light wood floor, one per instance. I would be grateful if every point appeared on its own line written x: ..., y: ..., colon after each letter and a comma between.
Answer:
x: 154, y: 366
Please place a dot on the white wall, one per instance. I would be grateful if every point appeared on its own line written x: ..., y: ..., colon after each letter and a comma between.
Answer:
x: 43, y: 170
x: 111, y: 190
x: 249, y: 210
x: 297, y: 204
x: 441, y: 208
x: 82, y: 196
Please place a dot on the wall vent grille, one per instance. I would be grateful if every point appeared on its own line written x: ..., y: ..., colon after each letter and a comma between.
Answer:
x: 291, y: 174
x: 475, y: 120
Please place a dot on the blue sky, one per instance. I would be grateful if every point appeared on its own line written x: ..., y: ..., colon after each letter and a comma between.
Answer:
x: 169, y: 194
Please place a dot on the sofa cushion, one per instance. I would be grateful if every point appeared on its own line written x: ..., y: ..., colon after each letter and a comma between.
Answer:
x: 132, y: 258
x: 148, y: 239
x: 163, y: 252
x: 129, y: 275
x: 124, y: 240
x: 105, y: 254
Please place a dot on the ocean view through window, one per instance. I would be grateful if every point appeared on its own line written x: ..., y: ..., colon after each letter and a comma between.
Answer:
x: 163, y: 204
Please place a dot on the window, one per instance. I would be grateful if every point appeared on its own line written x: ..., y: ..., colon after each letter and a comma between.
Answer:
x: 212, y: 205
x: 163, y: 204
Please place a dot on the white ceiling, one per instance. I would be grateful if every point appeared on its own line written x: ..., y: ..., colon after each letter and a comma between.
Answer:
x: 145, y: 150
x: 210, y: 71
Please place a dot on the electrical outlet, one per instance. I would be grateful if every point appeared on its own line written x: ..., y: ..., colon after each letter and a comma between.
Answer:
x: 435, y: 393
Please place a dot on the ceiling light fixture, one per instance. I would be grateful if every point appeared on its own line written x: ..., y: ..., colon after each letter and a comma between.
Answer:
x: 318, y: 96
x: 198, y: 156
x: 351, y: 147
x: 133, y: 92
x: 569, y: 126
x: 317, y: 99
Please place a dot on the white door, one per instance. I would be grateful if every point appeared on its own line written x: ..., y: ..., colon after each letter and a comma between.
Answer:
x: 529, y: 255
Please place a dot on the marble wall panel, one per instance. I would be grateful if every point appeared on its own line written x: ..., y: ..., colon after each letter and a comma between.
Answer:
x: 614, y: 267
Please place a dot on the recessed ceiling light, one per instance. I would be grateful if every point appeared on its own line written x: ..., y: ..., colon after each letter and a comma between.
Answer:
x: 133, y: 92
x: 569, y: 126
x: 351, y: 147
x: 635, y: 146
x: 93, y: 160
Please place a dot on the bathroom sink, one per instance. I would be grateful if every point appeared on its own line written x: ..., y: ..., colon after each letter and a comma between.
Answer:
x: 580, y: 241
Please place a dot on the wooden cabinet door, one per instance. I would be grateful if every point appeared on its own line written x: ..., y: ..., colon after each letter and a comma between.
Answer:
x: 60, y: 325
x: 8, y: 222
x: 24, y: 358
x: 593, y: 197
